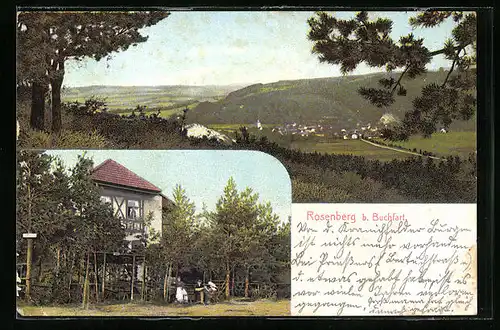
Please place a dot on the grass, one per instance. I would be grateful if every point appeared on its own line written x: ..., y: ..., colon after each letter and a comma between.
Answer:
x: 316, y: 143
x: 352, y: 147
x: 451, y: 143
x: 443, y: 144
x: 236, y: 127
x: 232, y: 308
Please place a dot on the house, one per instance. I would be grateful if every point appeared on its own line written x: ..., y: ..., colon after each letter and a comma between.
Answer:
x: 132, y: 198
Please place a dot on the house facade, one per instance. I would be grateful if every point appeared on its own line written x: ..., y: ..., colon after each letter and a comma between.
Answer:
x: 132, y: 198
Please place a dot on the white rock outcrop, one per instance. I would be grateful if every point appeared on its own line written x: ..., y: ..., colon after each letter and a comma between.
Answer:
x: 199, y: 131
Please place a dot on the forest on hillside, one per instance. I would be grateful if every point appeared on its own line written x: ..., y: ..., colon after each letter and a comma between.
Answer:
x: 329, y: 101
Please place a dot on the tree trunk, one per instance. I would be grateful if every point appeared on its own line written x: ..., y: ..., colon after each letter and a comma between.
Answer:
x: 71, y: 275
x: 143, y: 284
x: 37, y: 106
x: 166, y: 283
x: 85, y: 302
x: 247, y: 282
x: 81, y: 271
x: 95, y: 276
x: 228, y: 275
x: 39, y: 277
x: 232, y: 283
x: 165, y: 291
x: 28, y: 269
x: 58, y: 258
x: 133, y: 279
x: 56, y: 84
x: 103, y: 276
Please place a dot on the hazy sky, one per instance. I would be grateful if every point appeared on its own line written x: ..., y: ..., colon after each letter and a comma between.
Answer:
x: 222, y: 48
x: 202, y: 173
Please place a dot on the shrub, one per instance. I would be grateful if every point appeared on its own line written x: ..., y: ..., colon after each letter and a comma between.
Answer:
x: 31, y: 139
x: 89, y: 140
x: 67, y: 139
x: 90, y: 106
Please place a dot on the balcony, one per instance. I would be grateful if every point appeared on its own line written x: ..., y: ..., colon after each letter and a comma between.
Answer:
x: 133, y: 226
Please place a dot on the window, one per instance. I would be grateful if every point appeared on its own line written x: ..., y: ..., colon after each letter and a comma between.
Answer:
x: 132, y: 209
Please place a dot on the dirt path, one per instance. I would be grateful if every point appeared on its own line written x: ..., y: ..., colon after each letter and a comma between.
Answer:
x: 399, y: 150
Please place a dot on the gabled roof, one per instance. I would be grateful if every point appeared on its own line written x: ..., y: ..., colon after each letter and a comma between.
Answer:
x: 111, y: 172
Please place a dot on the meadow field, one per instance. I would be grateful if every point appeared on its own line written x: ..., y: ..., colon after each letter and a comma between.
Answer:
x: 169, y: 99
x: 443, y: 144
x: 452, y: 143
x: 350, y: 147
x: 232, y: 308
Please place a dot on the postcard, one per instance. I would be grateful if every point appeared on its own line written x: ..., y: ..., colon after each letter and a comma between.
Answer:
x: 180, y: 163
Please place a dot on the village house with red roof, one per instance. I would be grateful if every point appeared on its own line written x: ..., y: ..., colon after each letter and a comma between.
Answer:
x: 132, y: 197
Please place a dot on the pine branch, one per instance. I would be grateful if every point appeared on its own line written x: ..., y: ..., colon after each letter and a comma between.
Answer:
x: 441, y: 51
x: 399, y: 80
x: 451, y: 69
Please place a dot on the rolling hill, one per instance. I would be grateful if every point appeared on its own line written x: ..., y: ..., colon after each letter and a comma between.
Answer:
x: 124, y: 98
x: 333, y: 101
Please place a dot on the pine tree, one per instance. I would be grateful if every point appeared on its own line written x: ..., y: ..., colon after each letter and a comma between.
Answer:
x: 42, y: 191
x: 94, y: 226
x: 46, y: 40
x: 351, y: 42
x: 179, y: 225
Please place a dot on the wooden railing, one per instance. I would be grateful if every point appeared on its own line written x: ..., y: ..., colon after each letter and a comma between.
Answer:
x: 133, y: 226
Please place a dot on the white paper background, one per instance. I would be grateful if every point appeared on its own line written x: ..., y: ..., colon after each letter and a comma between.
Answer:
x: 413, y: 267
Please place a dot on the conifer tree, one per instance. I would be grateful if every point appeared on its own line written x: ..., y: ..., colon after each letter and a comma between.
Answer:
x: 351, y: 42
x: 47, y: 39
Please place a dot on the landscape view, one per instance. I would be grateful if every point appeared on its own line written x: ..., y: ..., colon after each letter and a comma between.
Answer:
x: 359, y: 107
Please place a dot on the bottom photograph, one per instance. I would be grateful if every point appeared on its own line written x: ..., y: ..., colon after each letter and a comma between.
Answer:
x: 152, y: 233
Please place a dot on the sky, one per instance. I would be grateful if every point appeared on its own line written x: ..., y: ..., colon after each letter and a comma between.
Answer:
x: 202, y: 173
x: 225, y: 48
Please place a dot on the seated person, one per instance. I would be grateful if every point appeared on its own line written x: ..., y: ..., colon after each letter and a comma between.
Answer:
x: 199, y: 292
x: 211, y: 288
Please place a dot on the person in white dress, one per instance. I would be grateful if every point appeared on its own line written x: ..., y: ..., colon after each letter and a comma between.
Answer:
x: 181, y: 294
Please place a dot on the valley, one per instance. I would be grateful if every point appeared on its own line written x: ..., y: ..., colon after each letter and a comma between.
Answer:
x: 324, y: 115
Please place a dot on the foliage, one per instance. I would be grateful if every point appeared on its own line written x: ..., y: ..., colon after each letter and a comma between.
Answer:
x: 330, y: 101
x: 141, y: 132
x: 411, y: 180
x: 91, y: 106
x: 351, y: 42
x: 179, y: 226
x: 40, y: 204
x: 67, y: 139
x: 46, y: 40
x: 95, y: 227
x: 242, y: 232
x: 65, y: 210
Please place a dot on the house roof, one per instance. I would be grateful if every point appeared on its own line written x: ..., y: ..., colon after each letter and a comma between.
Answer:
x: 111, y: 172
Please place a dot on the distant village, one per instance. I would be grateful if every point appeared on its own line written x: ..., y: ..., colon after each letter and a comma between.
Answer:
x: 362, y: 131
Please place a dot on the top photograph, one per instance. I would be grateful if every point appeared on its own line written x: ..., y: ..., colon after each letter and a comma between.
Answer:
x: 363, y: 106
